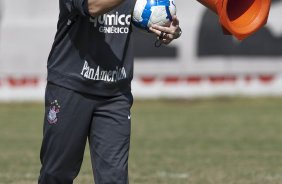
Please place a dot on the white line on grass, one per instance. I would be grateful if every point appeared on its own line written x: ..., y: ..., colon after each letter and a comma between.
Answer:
x: 165, y: 174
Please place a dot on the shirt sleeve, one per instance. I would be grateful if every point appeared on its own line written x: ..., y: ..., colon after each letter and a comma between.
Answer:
x: 78, y: 6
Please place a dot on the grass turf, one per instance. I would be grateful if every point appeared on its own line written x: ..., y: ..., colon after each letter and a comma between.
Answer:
x: 211, y: 141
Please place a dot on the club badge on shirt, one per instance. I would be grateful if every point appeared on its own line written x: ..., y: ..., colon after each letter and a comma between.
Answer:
x: 54, y: 110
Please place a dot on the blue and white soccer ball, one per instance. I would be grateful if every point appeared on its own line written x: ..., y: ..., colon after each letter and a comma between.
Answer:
x: 149, y: 12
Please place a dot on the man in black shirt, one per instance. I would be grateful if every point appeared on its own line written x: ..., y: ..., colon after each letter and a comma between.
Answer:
x: 88, y: 94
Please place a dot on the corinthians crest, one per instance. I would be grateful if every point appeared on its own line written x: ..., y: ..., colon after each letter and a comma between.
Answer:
x: 54, y: 110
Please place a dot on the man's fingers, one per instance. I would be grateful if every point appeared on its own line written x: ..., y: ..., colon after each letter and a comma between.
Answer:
x: 162, y: 28
x: 158, y: 33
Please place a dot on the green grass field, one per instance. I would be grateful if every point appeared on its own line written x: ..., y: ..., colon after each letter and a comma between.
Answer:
x: 211, y: 141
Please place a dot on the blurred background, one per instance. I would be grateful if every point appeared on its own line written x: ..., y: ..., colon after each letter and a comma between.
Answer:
x: 203, y: 62
x: 207, y: 109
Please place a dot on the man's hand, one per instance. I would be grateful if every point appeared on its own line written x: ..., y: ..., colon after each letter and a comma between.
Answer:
x: 167, y: 34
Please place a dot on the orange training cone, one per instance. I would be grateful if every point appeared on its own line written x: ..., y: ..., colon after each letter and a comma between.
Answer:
x: 240, y: 18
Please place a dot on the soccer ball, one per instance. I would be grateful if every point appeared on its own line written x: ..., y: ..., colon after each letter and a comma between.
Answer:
x: 149, y: 12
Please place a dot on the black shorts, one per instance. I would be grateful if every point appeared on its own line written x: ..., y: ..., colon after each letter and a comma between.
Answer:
x: 70, y: 119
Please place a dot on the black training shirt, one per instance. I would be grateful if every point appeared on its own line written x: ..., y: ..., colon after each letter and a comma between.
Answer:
x: 92, y: 55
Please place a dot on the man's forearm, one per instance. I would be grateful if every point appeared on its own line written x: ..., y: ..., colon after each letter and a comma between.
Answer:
x: 99, y: 7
